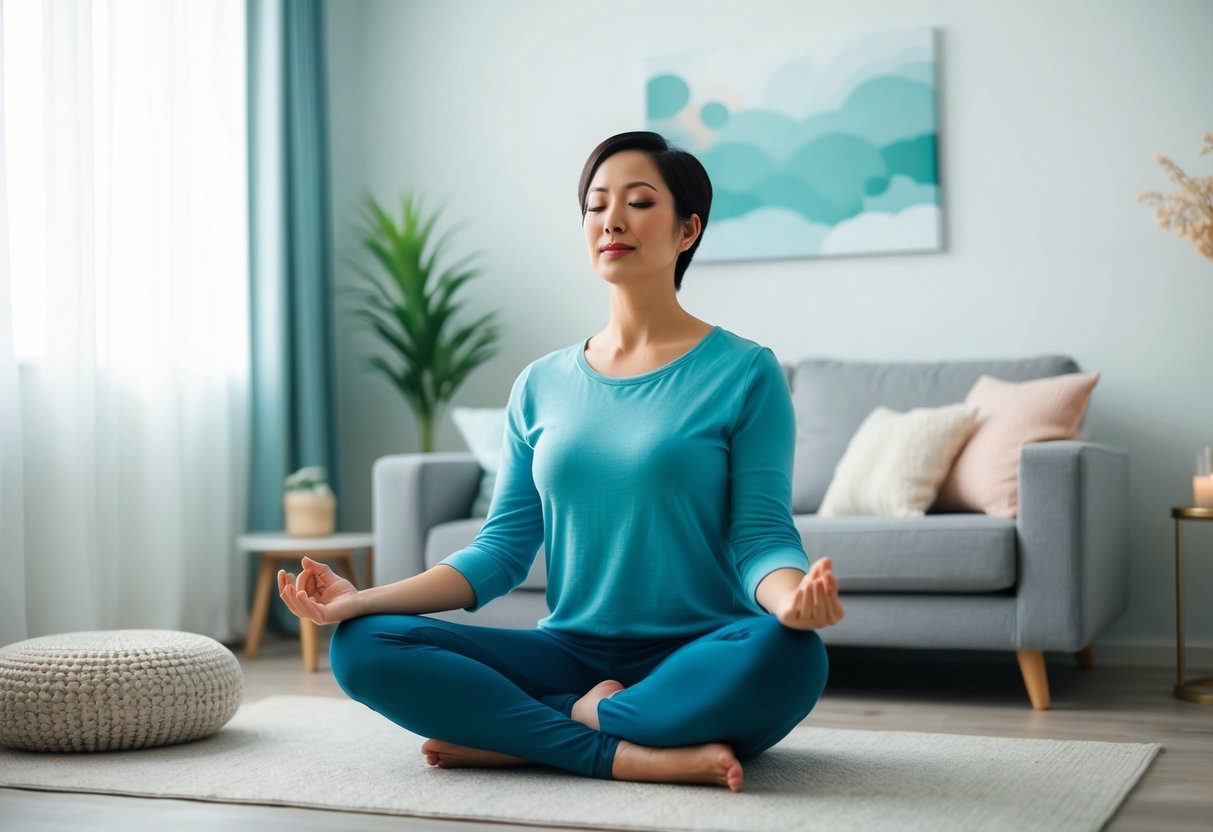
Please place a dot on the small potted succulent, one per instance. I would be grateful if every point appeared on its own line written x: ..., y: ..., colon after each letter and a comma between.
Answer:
x: 308, y: 503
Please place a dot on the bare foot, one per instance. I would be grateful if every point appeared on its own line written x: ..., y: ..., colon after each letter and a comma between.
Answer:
x: 710, y: 763
x: 449, y: 755
x: 585, y: 709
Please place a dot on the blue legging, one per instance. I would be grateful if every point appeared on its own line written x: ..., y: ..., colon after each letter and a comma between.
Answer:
x: 746, y: 684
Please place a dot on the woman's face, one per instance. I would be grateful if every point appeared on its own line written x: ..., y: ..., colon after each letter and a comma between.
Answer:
x: 628, y: 203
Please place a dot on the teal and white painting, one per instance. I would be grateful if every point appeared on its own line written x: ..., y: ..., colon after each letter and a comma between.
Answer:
x: 819, y: 148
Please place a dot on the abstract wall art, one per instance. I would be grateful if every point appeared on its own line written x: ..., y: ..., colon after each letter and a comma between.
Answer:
x: 825, y: 146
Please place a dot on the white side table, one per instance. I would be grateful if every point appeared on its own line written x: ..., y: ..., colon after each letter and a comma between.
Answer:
x: 273, y: 547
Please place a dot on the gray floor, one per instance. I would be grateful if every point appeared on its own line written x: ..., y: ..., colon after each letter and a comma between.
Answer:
x: 960, y: 693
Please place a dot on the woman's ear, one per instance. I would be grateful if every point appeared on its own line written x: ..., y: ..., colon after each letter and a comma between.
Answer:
x: 690, y: 232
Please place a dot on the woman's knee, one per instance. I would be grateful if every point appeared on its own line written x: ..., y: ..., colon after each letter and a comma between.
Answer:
x: 349, y: 652
x: 798, y: 656
x: 795, y: 670
x: 357, y: 651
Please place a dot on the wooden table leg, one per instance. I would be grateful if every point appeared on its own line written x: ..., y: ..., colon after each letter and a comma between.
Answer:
x: 308, y: 631
x: 346, y: 568
x: 307, y: 641
x: 261, y: 604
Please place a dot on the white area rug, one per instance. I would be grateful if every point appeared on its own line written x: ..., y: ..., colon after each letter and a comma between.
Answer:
x: 327, y: 753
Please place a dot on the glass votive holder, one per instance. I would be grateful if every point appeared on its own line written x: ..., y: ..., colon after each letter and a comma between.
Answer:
x: 1202, y: 483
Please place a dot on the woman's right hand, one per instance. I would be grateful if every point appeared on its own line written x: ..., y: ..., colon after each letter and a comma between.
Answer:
x: 319, y: 594
x: 814, y: 603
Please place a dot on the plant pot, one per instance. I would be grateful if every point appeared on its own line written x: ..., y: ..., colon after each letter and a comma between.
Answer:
x: 309, y: 515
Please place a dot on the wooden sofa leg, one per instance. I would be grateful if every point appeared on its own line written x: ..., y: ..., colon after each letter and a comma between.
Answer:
x: 1035, y: 678
x: 1086, y: 657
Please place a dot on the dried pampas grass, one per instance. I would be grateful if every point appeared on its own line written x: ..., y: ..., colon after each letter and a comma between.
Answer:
x: 1190, y: 210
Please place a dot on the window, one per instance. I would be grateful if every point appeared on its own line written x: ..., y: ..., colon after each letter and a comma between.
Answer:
x: 25, y: 174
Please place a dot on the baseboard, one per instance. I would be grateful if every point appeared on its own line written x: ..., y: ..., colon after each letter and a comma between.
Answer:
x: 1153, y: 654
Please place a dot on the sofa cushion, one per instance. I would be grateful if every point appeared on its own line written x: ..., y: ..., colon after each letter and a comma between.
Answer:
x: 446, y: 538
x: 832, y: 398
x: 895, y: 462
x: 936, y: 553
x: 483, y: 430
x: 985, y: 476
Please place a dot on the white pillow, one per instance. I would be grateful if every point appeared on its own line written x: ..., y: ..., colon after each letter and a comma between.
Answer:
x: 896, y: 462
x: 483, y: 429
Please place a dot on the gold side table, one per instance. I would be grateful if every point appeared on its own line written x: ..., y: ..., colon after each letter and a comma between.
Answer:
x: 1193, y: 690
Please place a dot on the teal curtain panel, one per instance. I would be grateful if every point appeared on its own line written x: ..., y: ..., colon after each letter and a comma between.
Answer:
x: 293, y: 408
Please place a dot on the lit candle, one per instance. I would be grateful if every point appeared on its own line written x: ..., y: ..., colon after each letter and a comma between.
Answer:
x: 1202, y: 491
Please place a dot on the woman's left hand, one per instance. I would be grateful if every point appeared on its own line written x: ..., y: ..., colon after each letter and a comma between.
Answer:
x: 814, y: 603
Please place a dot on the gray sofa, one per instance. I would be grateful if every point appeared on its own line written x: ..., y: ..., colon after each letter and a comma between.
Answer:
x: 1051, y: 578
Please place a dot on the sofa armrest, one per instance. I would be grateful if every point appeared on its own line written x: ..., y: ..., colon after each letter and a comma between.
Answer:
x: 410, y: 494
x: 1073, y: 571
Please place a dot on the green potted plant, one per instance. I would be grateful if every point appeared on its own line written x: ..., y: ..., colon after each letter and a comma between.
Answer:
x: 308, y: 503
x: 411, y: 304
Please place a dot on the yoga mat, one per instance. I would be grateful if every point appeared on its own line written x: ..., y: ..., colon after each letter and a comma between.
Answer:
x: 330, y: 753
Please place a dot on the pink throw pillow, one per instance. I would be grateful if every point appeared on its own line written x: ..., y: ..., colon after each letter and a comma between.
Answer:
x: 985, y: 476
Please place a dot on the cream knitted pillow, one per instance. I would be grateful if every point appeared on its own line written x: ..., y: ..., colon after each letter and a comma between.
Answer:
x: 895, y: 462
x: 483, y: 429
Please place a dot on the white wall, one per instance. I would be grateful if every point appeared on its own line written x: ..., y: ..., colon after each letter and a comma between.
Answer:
x: 1051, y: 116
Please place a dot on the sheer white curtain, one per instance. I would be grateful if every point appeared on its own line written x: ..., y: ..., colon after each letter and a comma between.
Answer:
x: 124, y: 361
x: 12, y: 527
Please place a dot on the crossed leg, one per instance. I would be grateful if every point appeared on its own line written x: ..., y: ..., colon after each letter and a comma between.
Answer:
x: 449, y: 755
x: 706, y: 763
x: 478, y: 685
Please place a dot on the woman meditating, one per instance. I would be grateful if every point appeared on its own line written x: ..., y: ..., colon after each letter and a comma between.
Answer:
x: 653, y: 463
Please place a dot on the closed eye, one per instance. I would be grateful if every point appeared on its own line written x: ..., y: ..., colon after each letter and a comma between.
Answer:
x: 633, y: 204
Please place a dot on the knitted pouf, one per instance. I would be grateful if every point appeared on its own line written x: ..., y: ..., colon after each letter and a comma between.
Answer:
x: 115, y: 689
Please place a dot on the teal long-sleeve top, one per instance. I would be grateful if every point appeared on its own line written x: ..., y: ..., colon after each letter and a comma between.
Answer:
x: 662, y: 500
